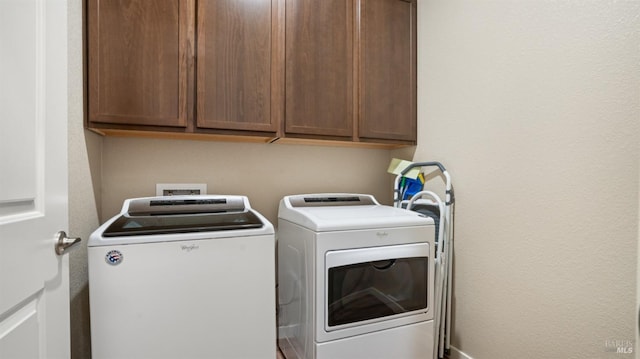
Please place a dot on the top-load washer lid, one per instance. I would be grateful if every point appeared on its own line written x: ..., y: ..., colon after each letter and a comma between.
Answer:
x: 323, y: 212
x: 151, y: 219
x: 127, y: 225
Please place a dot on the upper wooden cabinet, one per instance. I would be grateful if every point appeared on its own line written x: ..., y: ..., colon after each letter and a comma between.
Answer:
x: 319, y: 67
x: 351, y: 69
x: 139, y: 61
x: 240, y: 64
x: 387, y: 70
x: 311, y: 69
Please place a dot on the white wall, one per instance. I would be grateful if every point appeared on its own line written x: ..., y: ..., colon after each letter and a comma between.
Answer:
x: 263, y: 172
x: 84, y: 185
x: 534, y: 106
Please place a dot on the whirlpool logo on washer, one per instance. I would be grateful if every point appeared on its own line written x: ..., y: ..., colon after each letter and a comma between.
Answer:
x: 114, y: 257
x: 189, y: 247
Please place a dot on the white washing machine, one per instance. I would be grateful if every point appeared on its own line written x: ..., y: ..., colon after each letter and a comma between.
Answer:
x: 355, y: 279
x: 183, y: 277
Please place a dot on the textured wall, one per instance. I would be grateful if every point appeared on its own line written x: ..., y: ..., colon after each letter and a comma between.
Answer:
x: 534, y: 106
x: 263, y: 172
x: 84, y: 183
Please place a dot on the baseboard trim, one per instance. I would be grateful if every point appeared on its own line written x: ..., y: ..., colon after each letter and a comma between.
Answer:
x: 455, y: 353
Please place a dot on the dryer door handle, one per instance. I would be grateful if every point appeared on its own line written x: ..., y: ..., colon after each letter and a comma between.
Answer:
x: 344, y: 257
x: 383, y: 265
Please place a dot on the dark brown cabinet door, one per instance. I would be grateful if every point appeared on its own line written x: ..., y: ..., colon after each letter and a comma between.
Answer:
x: 139, y: 61
x: 387, y: 70
x: 319, y: 67
x: 239, y: 64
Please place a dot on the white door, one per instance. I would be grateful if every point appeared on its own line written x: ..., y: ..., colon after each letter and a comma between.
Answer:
x: 34, y: 281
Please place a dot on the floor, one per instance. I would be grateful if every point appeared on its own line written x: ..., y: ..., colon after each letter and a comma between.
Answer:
x: 279, y: 352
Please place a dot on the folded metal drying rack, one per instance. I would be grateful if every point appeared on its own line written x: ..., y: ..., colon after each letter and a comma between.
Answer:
x: 430, y: 204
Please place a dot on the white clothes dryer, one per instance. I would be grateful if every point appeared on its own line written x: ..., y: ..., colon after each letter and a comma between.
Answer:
x: 183, y: 277
x: 355, y: 279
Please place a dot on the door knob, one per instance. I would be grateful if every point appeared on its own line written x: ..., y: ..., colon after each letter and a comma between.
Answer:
x: 64, y: 242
